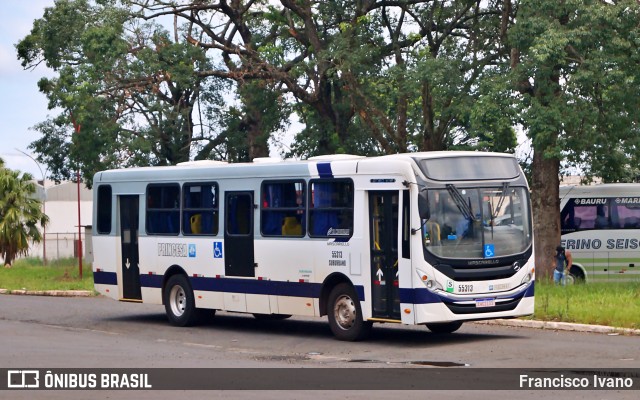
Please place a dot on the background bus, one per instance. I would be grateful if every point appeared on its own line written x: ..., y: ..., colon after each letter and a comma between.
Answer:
x: 601, y: 227
x: 407, y: 238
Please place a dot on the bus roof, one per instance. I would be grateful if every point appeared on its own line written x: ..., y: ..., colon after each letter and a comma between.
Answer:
x: 601, y: 190
x: 340, y: 165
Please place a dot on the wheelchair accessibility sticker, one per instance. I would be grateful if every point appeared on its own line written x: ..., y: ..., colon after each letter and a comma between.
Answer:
x: 217, y: 249
x: 489, y: 250
x: 192, y: 250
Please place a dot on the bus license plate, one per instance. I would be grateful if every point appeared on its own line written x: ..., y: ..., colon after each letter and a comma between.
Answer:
x: 485, y: 303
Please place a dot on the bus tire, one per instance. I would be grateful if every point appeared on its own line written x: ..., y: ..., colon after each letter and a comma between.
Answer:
x: 179, y: 302
x: 445, y: 327
x: 575, y: 277
x: 345, y: 314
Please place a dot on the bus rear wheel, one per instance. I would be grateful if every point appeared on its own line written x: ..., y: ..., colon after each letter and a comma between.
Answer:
x: 446, y: 327
x: 345, y: 314
x: 179, y: 302
x: 574, y: 277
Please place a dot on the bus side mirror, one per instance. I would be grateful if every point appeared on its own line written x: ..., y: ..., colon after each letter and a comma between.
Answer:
x: 423, y: 205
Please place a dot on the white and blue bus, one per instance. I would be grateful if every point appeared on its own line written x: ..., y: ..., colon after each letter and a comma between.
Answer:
x: 434, y: 238
x: 601, y: 228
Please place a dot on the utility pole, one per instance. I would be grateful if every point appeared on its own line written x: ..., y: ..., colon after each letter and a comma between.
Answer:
x: 76, y: 127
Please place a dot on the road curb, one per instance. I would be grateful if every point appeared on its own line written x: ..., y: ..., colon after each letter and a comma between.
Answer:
x: 55, y: 293
x: 562, y: 326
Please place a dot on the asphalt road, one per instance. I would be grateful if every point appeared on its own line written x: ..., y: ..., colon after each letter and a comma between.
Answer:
x: 56, y: 332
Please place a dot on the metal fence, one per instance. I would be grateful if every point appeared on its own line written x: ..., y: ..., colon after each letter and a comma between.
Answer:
x: 58, y: 245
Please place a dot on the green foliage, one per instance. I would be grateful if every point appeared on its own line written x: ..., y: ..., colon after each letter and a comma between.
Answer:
x: 578, y: 80
x: 128, y: 86
x: 613, y: 304
x: 30, y: 274
x: 20, y: 214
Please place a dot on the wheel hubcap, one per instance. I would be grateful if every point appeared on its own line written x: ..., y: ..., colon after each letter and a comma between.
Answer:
x: 177, y: 300
x: 344, y: 312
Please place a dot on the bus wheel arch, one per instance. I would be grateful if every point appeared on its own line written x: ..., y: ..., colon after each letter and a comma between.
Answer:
x: 576, y: 275
x: 173, y: 270
x: 178, y: 298
x: 344, y: 312
x: 329, y: 283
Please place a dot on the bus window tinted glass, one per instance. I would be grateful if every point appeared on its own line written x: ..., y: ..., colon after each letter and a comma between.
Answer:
x: 331, y: 208
x: 163, y: 209
x: 282, y: 209
x: 200, y: 209
x: 104, y: 209
x: 470, y: 168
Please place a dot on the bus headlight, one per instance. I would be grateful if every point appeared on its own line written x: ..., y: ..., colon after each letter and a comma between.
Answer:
x: 527, y: 278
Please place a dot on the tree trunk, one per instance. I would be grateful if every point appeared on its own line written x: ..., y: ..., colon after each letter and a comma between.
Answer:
x: 545, y: 196
x: 257, y: 138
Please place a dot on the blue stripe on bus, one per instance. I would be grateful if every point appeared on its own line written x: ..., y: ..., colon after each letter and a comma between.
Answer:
x: 249, y: 286
x: 424, y: 296
x: 153, y: 281
x: 105, y: 278
x: 324, y: 170
x: 530, y: 290
x: 417, y: 296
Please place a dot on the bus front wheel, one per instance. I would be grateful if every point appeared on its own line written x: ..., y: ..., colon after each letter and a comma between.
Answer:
x: 179, y: 302
x: 345, y: 314
x: 447, y: 327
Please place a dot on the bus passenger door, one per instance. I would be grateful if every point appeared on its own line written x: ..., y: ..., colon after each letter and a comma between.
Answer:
x: 238, y: 234
x: 383, y: 228
x: 129, y: 215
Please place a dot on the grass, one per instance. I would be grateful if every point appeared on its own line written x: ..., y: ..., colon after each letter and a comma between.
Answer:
x: 31, y: 274
x: 612, y: 304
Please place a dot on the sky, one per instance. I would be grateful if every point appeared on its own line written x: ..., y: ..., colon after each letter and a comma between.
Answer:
x: 21, y: 104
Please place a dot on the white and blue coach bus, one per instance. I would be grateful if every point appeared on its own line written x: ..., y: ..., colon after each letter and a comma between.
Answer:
x: 434, y: 238
x: 601, y: 228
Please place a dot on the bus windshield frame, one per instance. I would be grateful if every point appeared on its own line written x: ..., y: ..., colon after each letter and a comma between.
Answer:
x: 479, y: 222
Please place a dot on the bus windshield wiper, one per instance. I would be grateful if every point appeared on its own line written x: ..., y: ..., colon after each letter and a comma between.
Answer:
x: 464, y: 208
x: 503, y: 195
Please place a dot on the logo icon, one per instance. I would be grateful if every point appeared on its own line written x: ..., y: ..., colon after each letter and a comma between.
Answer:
x: 489, y: 250
x: 192, y: 250
x: 450, y: 286
x: 19, y: 379
x: 217, y: 249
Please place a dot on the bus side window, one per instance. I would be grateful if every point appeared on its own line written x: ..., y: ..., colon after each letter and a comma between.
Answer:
x: 602, y: 220
x: 282, y: 208
x: 331, y: 208
x: 163, y: 209
x: 200, y: 209
x: 104, y: 209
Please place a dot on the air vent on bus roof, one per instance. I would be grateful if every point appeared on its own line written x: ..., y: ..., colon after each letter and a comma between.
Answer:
x: 335, y: 157
x: 201, y: 163
x: 266, y: 160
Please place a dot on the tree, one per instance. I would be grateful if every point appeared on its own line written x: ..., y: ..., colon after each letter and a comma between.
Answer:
x: 368, y: 76
x: 20, y: 214
x: 575, y: 70
x: 433, y: 64
x: 131, y: 85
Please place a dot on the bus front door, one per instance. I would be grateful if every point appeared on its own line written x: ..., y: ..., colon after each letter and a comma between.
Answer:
x: 129, y: 213
x: 238, y: 234
x: 383, y: 228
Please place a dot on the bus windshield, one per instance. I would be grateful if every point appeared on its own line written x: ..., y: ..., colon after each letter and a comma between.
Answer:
x: 477, y: 222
